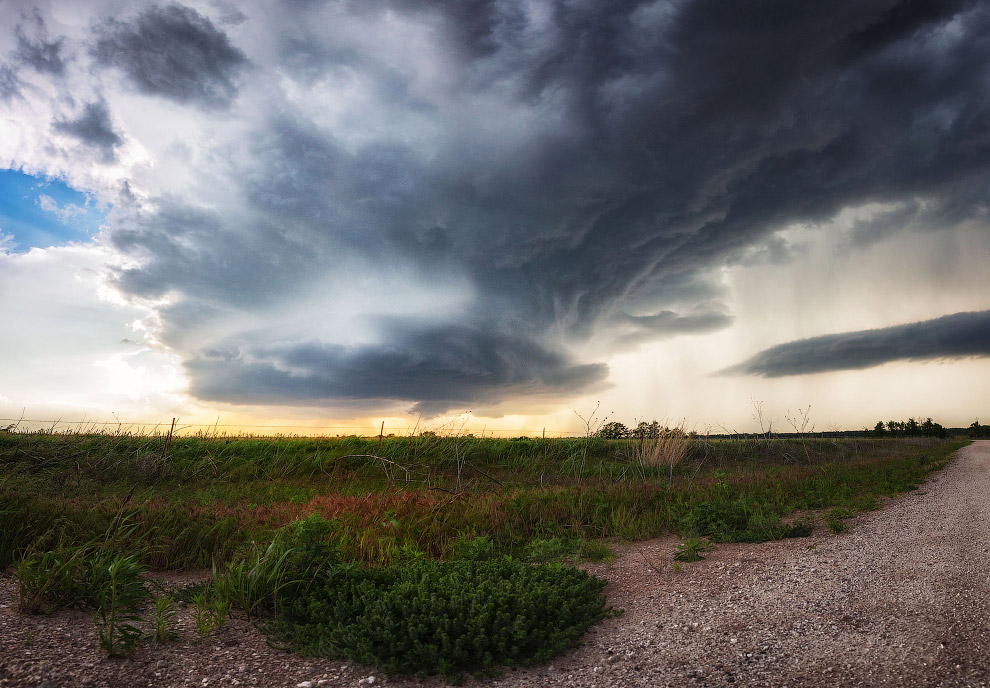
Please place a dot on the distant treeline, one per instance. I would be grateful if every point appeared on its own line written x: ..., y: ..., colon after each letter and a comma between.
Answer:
x: 927, y: 428
x: 911, y: 427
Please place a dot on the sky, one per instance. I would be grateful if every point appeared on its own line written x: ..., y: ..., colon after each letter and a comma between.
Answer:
x: 497, y: 215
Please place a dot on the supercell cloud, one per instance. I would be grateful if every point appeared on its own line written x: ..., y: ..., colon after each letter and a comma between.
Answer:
x: 460, y: 203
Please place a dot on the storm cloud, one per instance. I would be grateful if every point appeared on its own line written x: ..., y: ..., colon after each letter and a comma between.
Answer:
x: 10, y: 85
x: 174, y: 52
x: 40, y: 53
x: 652, y: 143
x: 960, y: 335
x: 94, y: 128
x: 442, y: 203
x: 436, y: 366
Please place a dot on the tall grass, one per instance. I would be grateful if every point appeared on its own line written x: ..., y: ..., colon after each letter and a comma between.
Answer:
x: 207, y: 500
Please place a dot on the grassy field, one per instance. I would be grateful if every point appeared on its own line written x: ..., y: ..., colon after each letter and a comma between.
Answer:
x: 451, y: 512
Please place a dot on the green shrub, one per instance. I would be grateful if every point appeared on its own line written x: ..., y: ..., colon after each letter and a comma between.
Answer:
x: 595, y: 550
x: 164, y: 620
x: 691, y: 548
x: 836, y: 519
x: 51, y: 580
x: 90, y: 575
x: 118, y: 585
x: 432, y: 617
x: 739, y: 520
x: 209, y: 611
x: 480, y: 548
x: 549, y: 549
x: 257, y: 579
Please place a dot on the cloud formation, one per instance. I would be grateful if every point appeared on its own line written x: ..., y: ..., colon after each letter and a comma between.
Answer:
x: 38, y: 52
x: 436, y: 203
x: 436, y: 366
x: 960, y: 335
x: 174, y: 52
x: 94, y: 128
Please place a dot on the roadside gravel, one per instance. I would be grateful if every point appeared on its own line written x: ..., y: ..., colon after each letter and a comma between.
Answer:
x: 902, y: 599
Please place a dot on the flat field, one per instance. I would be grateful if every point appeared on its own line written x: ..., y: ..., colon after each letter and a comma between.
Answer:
x: 304, y: 530
x: 200, y: 500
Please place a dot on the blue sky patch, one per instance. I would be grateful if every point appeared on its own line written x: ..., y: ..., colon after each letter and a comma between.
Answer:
x: 42, y: 212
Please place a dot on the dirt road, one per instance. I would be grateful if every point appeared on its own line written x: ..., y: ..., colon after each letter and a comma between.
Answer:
x: 902, y: 599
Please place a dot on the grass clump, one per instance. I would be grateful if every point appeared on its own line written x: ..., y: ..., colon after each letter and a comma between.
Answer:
x: 164, y: 619
x: 431, y: 617
x: 835, y: 519
x: 210, y: 611
x: 691, y: 549
x: 120, y: 594
x: 258, y: 579
x: 92, y: 576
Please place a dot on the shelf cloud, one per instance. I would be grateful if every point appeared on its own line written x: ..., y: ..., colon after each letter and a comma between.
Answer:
x: 960, y: 335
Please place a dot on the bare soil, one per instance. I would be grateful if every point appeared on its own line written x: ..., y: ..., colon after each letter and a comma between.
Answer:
x: 901, y: 599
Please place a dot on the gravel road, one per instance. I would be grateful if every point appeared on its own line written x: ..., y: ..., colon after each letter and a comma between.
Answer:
x: 902, y: 599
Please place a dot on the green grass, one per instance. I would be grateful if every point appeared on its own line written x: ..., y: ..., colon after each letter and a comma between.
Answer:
x: 422, y: 526
x: 207, y: 500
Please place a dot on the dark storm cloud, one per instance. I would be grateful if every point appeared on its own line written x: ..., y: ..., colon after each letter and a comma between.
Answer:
x: 175, y: 52
x: 439, y: 368
x: 10, y: 85
x: 40, y: 53
x: 94, y: 128
x: 960, y: 335
x: 659, y: 142
x: 668, y: 324
x: 191, y: 250
x: 865, y: 233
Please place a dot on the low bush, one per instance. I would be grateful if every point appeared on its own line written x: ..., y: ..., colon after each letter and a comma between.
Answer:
x: 431, y: 617
x: 691, y: 548
x: 737, y: 520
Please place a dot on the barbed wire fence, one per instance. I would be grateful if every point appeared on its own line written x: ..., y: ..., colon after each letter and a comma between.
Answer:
x: 173, y: 427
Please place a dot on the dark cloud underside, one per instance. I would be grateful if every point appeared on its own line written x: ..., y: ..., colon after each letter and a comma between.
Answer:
x: 960, y: 335
x: 174, y: 52
x: 94, y: 128
x: 633, y: 149
x: 434, y: 367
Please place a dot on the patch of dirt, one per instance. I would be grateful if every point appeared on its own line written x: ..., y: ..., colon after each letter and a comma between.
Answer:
x: 901, y: 599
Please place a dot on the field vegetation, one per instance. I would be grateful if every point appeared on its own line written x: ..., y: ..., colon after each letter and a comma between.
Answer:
x: 340, y: 546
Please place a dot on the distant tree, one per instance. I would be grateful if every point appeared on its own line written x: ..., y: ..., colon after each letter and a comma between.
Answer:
x: 879, y: 430
x: 932, y: 429
x: 976, y: 430
x: 647, y: 431
x: 613, y: 430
